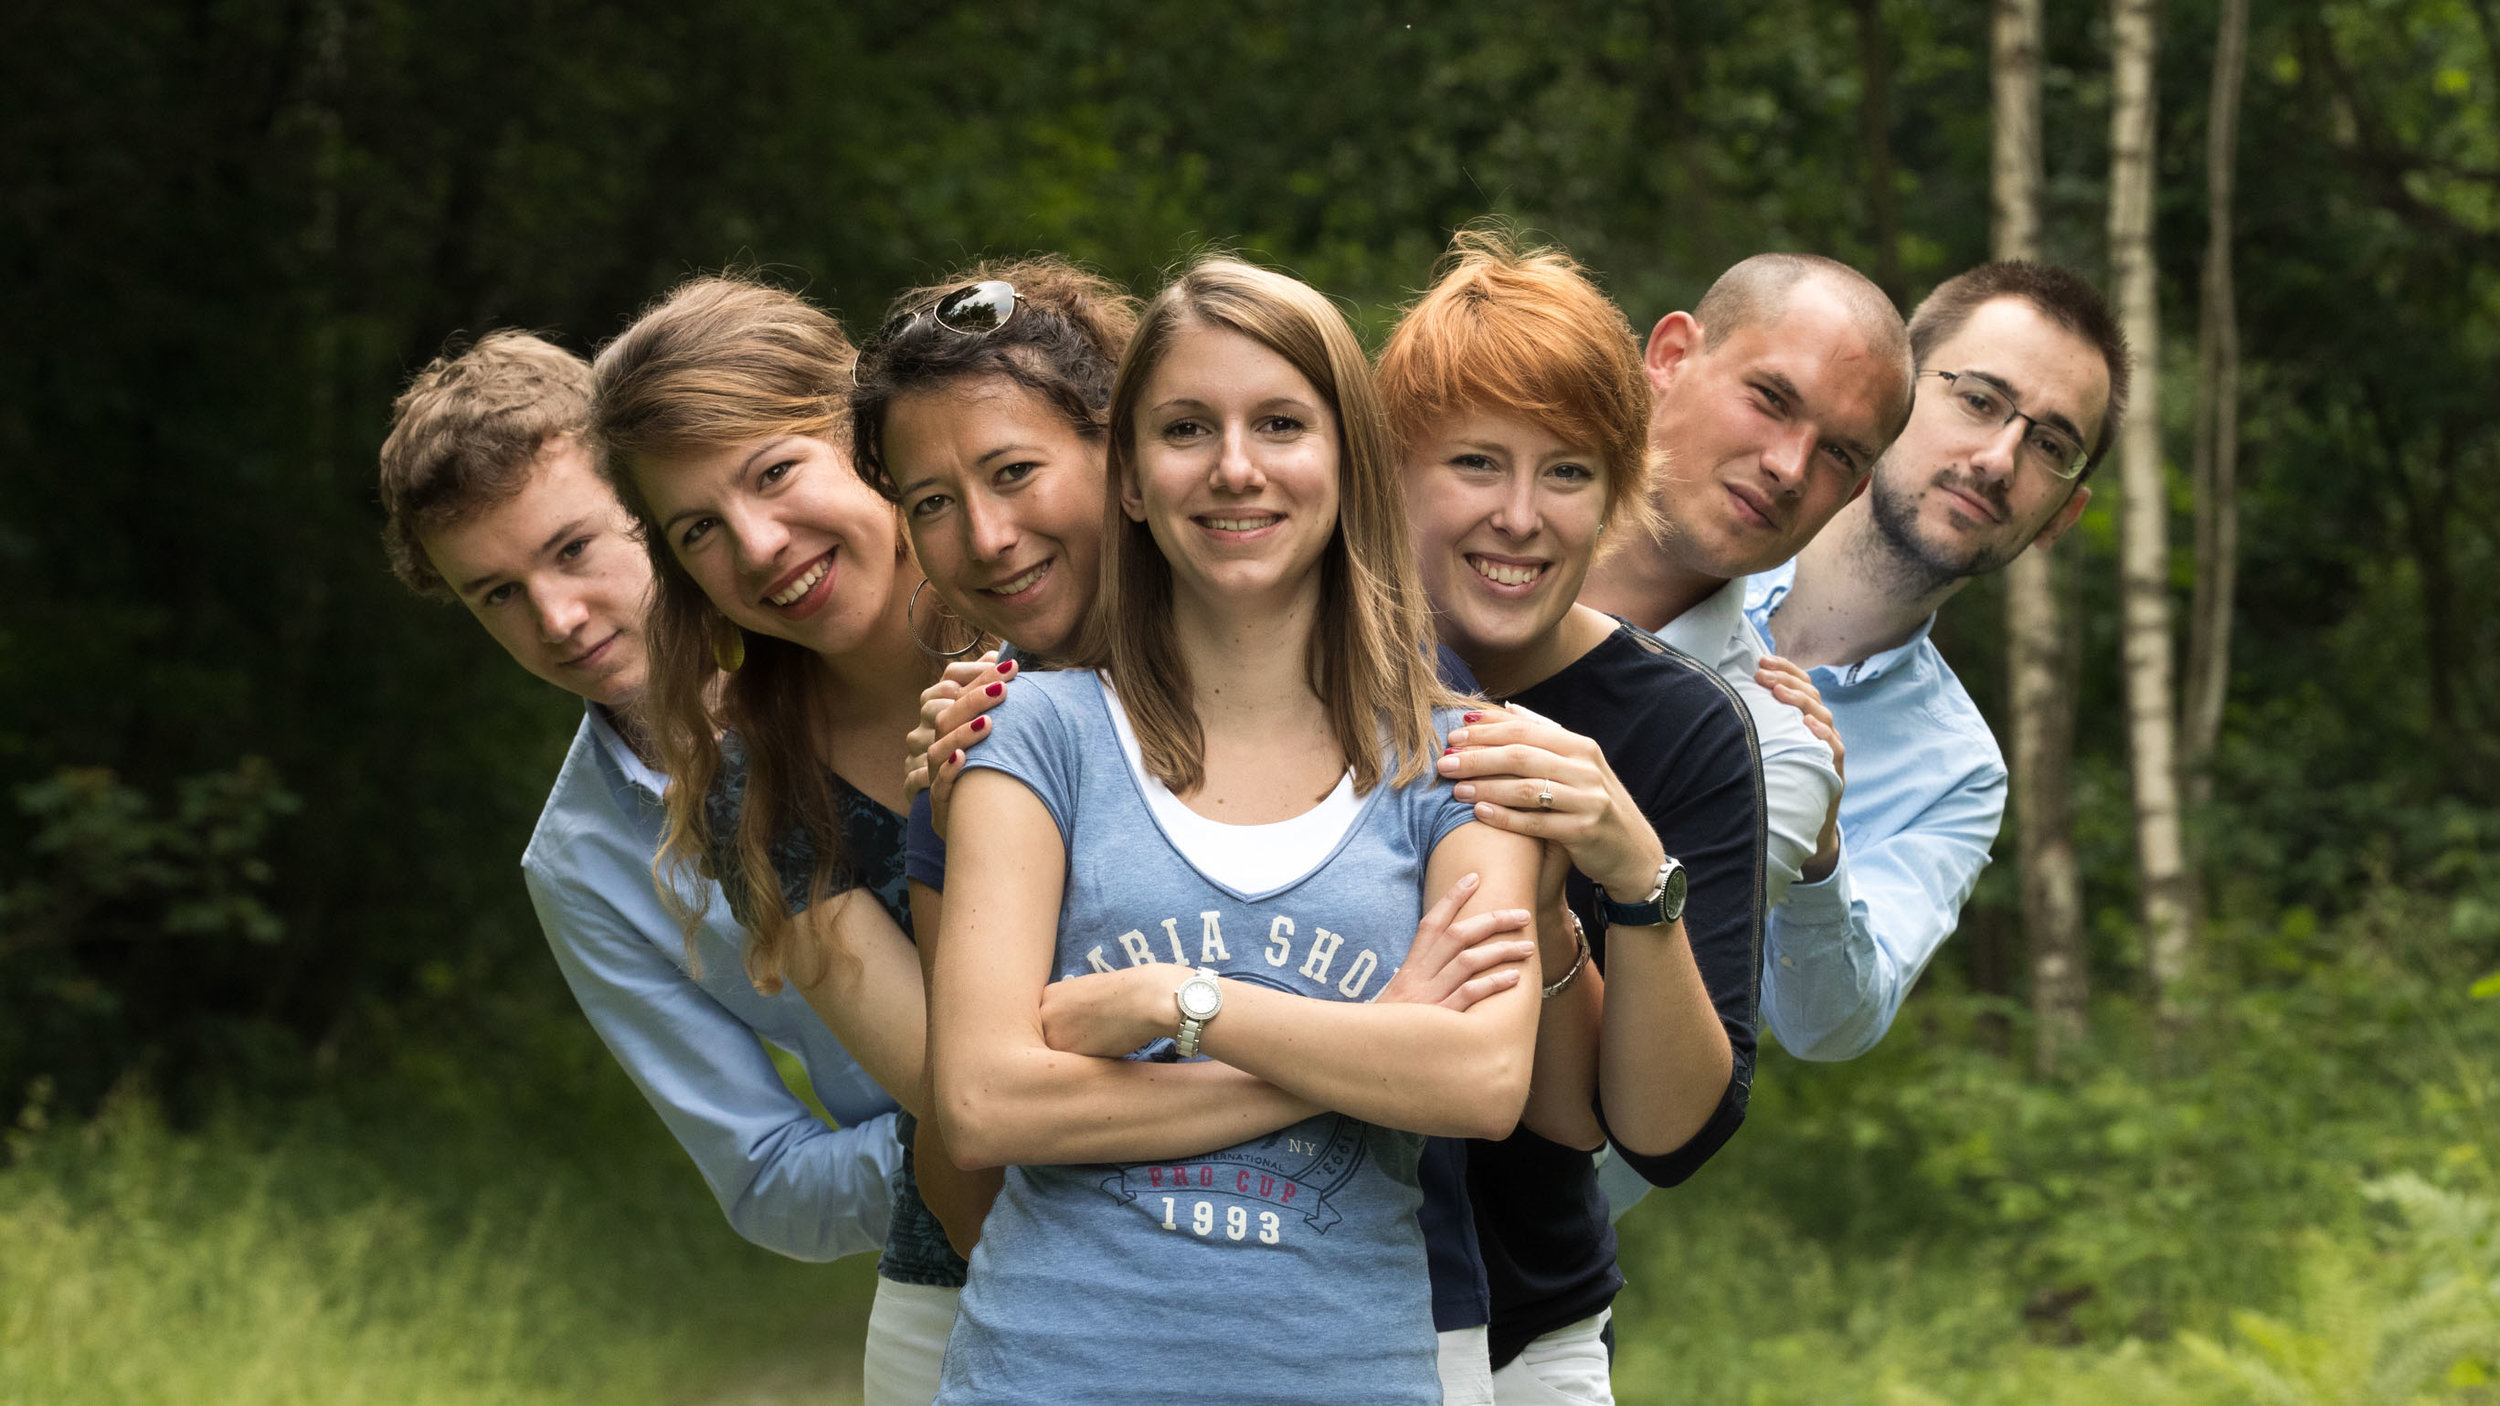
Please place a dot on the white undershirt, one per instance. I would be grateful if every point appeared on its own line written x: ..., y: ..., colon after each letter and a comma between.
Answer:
x: 1249, y: 859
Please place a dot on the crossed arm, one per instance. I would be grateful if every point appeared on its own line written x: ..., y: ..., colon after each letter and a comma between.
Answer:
x: 1010, y: 1085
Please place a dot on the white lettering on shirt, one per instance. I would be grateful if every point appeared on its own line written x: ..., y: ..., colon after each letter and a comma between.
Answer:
x: 1359, y: 975
x: 1323, y: 951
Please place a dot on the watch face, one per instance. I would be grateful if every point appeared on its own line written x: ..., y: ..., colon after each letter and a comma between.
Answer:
x: 1672, y: 901
x: 1199, y: 999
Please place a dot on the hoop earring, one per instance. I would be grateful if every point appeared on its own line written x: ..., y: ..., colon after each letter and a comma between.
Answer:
x: 911, y: 622
x: 729, y: 653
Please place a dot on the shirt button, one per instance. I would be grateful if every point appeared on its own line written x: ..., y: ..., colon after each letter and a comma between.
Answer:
x: 1788, y: 962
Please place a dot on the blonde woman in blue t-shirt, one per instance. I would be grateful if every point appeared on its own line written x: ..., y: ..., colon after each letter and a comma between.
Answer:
x: 1221, y: 834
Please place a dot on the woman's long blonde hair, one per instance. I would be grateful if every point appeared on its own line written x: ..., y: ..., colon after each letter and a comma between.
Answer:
x: 722, y: 361
x: 1370, y: 660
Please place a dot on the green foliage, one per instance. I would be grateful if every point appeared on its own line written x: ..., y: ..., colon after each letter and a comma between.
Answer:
x: 434, y: 1239
x: 2304, y: 1212
x: 194, y: 873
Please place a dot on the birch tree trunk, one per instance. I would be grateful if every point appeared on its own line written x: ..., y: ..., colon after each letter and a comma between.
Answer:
x: 2039, y: 675
x: 1883, y: 207
x: 2217, y: 423
x: 2143, y: 524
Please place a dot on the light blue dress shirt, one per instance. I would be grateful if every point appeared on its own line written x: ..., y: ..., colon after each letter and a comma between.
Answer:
x: 1926, y: 793
x: 785, y: 1180
x: 1798, y: 782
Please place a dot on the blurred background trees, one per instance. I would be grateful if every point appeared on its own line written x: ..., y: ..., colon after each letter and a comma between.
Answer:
x: 234, y: 228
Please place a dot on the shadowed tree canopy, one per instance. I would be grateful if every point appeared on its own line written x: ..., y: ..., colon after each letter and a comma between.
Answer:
x: 263, y: 807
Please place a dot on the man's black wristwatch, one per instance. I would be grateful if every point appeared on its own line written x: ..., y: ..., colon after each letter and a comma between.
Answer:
x: 1664, y: 905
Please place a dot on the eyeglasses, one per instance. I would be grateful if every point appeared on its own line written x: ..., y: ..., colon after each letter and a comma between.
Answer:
x: 974, y: 310
x: 1989, y: 406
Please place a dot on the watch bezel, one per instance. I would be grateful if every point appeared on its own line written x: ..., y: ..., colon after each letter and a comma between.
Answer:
x: 1199, y: 997
x: 1674, y: 886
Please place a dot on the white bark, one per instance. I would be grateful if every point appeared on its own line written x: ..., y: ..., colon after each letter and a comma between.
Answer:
x: 2144, y: 514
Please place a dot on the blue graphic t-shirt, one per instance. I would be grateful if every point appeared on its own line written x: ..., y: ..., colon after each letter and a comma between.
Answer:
x: 1287, y: 1268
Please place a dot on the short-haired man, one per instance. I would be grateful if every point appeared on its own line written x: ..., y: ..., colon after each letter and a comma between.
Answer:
x: 2022, y: 377
x: 493, y: 501
x: 1773, y: 399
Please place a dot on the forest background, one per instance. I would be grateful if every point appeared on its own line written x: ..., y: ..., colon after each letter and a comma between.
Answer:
x: 300, y: 1110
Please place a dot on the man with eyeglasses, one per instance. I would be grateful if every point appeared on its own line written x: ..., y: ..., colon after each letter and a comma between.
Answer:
x: 2021, y: 382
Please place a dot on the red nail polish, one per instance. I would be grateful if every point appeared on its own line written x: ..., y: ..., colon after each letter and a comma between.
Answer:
x: 995, y: 689
x: 980, y: 724
x: 1474, y: 717
x: 958, y: 756
x: 1007, y: 666
x: 1448, y: 750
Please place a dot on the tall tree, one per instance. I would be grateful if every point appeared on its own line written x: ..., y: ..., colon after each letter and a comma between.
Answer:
x: 2144, y: 512
x: 2039, y: 672
x: 2217, y: 458
x: 1883, y: 204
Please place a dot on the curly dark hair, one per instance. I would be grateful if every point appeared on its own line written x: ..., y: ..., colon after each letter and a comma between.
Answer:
x: 1063, y: 344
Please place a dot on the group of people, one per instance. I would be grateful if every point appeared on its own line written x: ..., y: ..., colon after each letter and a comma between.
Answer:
x: 1262, y: 849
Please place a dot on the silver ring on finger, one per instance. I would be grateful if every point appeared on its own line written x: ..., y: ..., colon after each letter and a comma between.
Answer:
x: 1545, y: 795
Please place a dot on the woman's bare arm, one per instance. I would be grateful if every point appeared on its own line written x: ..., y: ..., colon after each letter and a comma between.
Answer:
x: 1000, y: 1094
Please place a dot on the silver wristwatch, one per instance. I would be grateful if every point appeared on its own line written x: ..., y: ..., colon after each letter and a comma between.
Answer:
x: 1200, y: 998
x: 1662, y: 905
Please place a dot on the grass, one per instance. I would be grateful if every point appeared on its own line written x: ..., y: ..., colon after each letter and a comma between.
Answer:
x: 2306, y: 1214
x: 363, y: 1259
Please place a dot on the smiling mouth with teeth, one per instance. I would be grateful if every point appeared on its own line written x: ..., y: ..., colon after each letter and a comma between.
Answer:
x: 1504, y: 574
x: 797, y: 590
x: 1018, y: 585
x: 1240, y: 524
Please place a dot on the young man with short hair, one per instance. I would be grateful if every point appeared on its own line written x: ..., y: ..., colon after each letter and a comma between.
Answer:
x: 1773, y: 399
x: 493, y: 501
x: 2022, y: 378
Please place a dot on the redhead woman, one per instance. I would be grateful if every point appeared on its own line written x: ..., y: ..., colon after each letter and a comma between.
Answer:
x: 1219, y: 833
x: 722, y: 418
x: 1521, y: 411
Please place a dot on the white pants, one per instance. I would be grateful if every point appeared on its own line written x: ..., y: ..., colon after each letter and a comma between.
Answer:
x: 1566, y: 1367
x: 1466, y: 1368
x: 907, y: 1328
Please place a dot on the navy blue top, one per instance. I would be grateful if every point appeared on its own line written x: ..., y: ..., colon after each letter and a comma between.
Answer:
x: 916, y: 1250
x: 1682, y: 744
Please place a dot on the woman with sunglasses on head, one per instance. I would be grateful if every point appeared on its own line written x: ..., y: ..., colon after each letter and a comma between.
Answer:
x: 1220, y: 832
x: 721, y: 416
x: 1521, y: 410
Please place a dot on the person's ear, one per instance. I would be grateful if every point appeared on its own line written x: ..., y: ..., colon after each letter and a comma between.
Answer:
x: 1865, y: 482
x: 2066, y: 516
x: 1672, y: 345
x: 1132, y: 502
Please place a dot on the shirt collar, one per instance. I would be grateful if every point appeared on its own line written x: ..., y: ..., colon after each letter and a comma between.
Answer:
x: 1765, y: 590
x: 1713, y: 627
x: 637, y: 772
x: 1876, y: 665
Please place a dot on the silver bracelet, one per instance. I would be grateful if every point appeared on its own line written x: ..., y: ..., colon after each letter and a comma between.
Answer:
x: 1577, y: 962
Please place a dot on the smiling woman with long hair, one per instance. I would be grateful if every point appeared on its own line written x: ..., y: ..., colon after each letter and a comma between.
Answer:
x: 721, y: 415
x: 1220, y: 833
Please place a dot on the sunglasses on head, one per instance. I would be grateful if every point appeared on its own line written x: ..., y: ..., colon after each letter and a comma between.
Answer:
x: 974, y: 310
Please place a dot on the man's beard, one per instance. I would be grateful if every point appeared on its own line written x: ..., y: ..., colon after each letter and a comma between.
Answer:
x: 1920, y: 568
